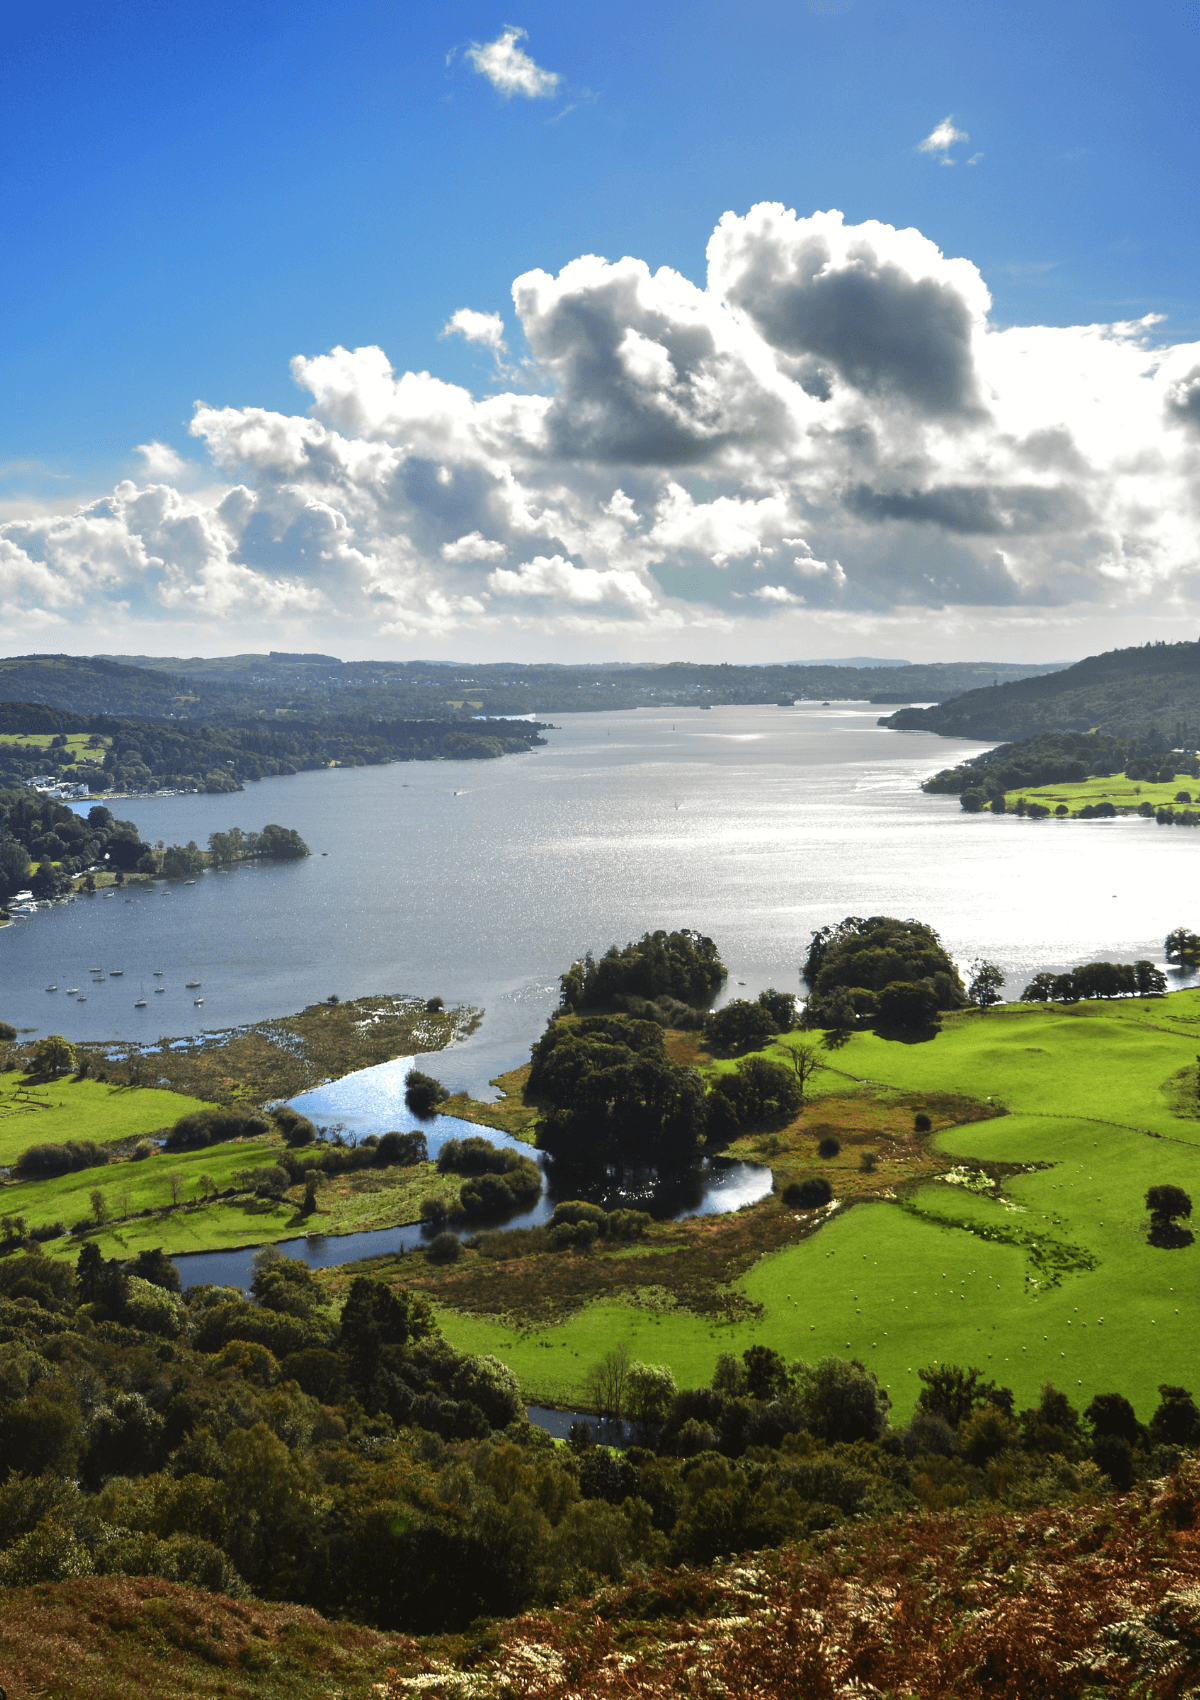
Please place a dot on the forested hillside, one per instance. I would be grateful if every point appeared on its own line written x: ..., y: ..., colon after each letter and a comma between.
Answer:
x: 313, y: 687
x: 146, y: 755
x: 1152, y: 692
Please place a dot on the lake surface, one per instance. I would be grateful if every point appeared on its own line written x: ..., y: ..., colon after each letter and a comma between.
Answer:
x: 482, y: 881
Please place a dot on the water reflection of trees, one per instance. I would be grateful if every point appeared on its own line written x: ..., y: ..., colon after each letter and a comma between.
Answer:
x: 634, y: 1186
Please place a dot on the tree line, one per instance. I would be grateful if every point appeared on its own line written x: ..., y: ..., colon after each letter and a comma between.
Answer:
x: 354, y: 1462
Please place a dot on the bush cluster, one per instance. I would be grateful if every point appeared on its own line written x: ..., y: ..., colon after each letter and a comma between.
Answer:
x: 359, y: 1465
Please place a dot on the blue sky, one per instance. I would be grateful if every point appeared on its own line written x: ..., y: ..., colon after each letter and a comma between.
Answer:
x: 195, y: 196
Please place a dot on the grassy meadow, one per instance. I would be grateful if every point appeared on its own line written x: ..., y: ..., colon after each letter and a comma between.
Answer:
x: 79, y: 743
x: 1037, y: 1268
x: 1126, y: 795
x: 169, y: 1183
x: 51, y: 1111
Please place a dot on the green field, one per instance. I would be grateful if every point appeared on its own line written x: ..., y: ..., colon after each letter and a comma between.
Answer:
x: 1049, y: 1277
x: 117, y: 1115
x: 77, y: 742
x: 1126, y: 795
x: 81, y: 1109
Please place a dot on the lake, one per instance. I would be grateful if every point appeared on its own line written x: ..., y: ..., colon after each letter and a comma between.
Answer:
x: 481, y: 881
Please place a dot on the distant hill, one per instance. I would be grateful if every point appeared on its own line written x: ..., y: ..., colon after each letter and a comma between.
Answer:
x: 1150, y: 692
x: 88, y: 685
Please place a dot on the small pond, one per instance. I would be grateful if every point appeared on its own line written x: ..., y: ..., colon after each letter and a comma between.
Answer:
x: 372, y: 1101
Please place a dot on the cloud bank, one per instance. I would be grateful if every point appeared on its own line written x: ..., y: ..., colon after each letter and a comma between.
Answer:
x: 829, y: 429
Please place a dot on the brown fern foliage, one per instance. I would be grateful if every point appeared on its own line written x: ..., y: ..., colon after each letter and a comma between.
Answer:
x: 1044, y: 1605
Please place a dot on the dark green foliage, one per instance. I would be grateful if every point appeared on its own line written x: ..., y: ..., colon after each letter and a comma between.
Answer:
x: 444, y: 1248
x: 155, y: 1267
x: 422, y: 1093
x: 1176, y: 1421
x: 213, y: 1127
x: 501, y: 1180
x: 296, y: 1129
x: 739, y: 1026
x: 1168, y: 1205
x: 1052, y: 1425
x: 922, y: 1123
x: 811, y: 1194
x: 1183, y: 947
x: 908, y: 1008
x: 759, y: 1091
x: 781, y: 1007
x: 401, y: 1149
x: 613, y: 1094
x: 879, y: 951
x: 1129, y: 694
x: 829, y: 1146
x: 41, y: 1162
x: 683, y: 965
x: 952, y: 1393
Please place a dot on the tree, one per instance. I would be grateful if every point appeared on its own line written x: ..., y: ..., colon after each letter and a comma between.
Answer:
x: 422, y: 1093
x: 1183, y: 947
x: 1176, y: 1421
x: 874, y: 952
x: 907, y: 1007
x: 1150, y: 982
x: 986, y: 981
x: 804, y: 1062
x: 811, y: 1194
x: 156, y: 1267
x: 841, y: 1401
x: 1167, y: 1204
x: 739, y: 1026
x: 781, y: 1007
x: 649, y: 1390
x: 953, y: 1393
x: 606, y: 1382
x: 99, y: 1207
x: 53, y: 1056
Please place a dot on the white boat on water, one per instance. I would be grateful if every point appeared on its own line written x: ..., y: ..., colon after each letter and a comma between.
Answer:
x: 72, y: 991
x: 139, y: 1003
x: 51, y: 988
x: 115, y: 973
x: 197, y: 1002
x: 192, y: 984
x: 160, y: 988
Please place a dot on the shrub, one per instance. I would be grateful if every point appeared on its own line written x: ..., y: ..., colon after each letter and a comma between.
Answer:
x: 810, y: 1194
x: 42, y: 1162
x: 401, y: 1150
x: 921, y: 1122
x: 143, y: 1149
x: 829, y: 1147
x: 214, y: 1127
x: 907, y: 1007
x: 444, y: 1248
x: 423, y: 1094
x: 296, y: 1129
x: 740, y: 1026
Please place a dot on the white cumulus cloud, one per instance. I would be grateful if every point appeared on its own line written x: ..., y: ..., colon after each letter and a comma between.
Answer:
x: 828, y: 415
x: 486, y: 329
x: 508, y: 67
x: 161, y: 460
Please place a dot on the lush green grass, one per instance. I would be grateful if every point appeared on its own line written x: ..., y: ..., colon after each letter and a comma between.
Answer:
x: 1126, y: 795
x: 77, y: 742
x: 81, y: 1109
x: 128, y: 1187
x: 946, y: 1273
